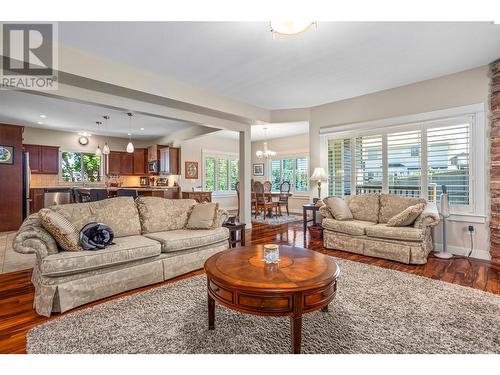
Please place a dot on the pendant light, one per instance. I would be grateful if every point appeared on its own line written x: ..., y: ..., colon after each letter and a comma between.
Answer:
x: 98, y: 151
x: 130, y: 146
x: 266, y: 153
x: 105, y: 149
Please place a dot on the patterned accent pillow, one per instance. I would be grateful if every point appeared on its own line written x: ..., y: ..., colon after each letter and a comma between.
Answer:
x: 339, y: 208
x: 407, y: 217
x: 63, y: 231
x: 203, y: 216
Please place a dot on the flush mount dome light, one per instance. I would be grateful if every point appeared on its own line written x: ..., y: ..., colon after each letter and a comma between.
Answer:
x: 290, y: 27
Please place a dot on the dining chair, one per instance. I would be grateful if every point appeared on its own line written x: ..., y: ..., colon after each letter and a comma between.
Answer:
x: 261, y: 202
x: 283, y: 198
x: 127, y: 193
x: 267, y: 189
x: 98, y: 194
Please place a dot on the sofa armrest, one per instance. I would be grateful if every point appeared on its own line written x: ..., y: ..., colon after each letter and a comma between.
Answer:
x: 429, y: 216
x: 325, y: 212
x: 32, y: 238
x: 222, y: 216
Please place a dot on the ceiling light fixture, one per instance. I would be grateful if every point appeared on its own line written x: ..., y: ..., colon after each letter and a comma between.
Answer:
x: 43, y: 116
x: 130, y: 146
x: 105, y: 149
x: 265, y: 153
x: 290, y: 27
x: 98, y: 151
x: 40, y: 123
x: 142, y: 128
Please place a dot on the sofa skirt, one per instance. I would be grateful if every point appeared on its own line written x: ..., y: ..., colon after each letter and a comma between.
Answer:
x: 400, y: 251
x: 60, y: 294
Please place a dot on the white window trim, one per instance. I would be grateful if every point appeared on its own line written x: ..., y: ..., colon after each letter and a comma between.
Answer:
x: 477, y: 209
x: 218, y: 155
x: 59, y: 177
x: 298, y: 154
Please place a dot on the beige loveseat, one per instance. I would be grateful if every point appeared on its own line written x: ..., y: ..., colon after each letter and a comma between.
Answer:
x: 368, y: 234
x: 151, y: 245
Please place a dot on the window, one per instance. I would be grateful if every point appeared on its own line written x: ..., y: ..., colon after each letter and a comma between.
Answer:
x: 221, y: 172
x: 293, y: 170
x: 412, y: 160
x: 80, y: 167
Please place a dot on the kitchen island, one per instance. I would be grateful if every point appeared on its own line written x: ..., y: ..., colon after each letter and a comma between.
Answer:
x: 143, y: 191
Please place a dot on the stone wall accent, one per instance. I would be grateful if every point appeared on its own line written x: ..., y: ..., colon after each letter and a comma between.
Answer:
x: 495, y: 162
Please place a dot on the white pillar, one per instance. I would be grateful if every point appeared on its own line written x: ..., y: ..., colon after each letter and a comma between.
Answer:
x: 245, y: 173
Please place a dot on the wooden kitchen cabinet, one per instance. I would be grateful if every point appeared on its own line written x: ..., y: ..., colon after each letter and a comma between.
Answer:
x: 43, y: 159
x: 50, y: 159
x: 36, y: 200
x: 126, y: 163
x: 114, y: 163
x: 140, y: 157
x: 175, y: 160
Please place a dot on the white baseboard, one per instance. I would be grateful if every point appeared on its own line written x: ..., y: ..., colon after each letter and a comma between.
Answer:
x: 456, y: 250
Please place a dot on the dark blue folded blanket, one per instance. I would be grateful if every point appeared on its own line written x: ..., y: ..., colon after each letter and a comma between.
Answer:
x: 96, y: 236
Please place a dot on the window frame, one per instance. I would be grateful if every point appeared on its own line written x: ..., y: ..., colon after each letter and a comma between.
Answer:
x: 60, y: 176
x: 219, y: 155
x: 476, y: 211
x: 292, y: 183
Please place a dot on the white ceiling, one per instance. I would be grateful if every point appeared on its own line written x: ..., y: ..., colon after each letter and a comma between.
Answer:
x: 276, y: 130
x: 25, y: 109
x: 336, y: 61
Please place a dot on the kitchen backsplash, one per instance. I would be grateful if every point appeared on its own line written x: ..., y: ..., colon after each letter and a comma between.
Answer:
x: 51, y: 180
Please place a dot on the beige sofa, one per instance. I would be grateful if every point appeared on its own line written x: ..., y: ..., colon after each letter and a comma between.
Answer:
x: 151, y: 245
x: 368, y: 234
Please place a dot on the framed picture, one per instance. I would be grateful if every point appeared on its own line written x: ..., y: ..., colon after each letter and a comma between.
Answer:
x: 191, y: 170
x: 6, y: 154
x: 258, y: 169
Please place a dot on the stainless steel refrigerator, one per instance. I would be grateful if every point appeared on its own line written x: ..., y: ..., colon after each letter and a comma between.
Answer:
x: 26, y: 184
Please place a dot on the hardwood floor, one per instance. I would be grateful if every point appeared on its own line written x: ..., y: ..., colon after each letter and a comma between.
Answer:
x: 16, y: 291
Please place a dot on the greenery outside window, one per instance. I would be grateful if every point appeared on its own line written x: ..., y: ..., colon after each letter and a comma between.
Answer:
x: 220, y: 172
x: 80, y: 167
x: 293, y: 170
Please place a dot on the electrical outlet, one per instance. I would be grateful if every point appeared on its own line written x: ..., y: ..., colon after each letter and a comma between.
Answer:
x: 471, y: 229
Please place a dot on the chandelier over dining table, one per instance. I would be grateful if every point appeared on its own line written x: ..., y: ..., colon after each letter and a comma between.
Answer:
x: 265, y: 153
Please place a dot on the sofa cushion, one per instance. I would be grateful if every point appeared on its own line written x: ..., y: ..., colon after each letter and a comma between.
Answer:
x: 160, y: 214
x: 364, y: 207
x: 407, y: 217
x: 338, y: 207
x: 63, y: 231
x: 396, y: 233
x: 203, y: 216
x: 392, y: 204
x: 125, y: 249
x: 119, y: 213
x: 352, y: 227
x: 184, y: 239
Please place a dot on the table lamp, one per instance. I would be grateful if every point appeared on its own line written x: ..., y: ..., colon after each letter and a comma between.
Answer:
x: 319, y: 175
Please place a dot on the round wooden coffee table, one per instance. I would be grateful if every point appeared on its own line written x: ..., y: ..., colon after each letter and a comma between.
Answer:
x: 303, y: 281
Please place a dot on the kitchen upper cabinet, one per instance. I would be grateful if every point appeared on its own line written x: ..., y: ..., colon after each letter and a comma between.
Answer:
x: 175, y: 160
x: 43, y: 159
x: 50, y: 160
x: 114, y: 162
x: 140, y: 157
x: 35, y: 157
x: 126, y: 163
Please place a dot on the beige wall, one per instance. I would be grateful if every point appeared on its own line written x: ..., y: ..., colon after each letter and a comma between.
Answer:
x: 286, y: 146
x: 68, y: 141
x: 191, y: 150
x: 464, y: 88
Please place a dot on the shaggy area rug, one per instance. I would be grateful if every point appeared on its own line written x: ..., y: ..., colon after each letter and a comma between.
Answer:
x: 376, y: 310
x: 275, y: 220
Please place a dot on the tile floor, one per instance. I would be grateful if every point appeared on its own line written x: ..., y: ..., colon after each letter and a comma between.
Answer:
x: 11, y: 261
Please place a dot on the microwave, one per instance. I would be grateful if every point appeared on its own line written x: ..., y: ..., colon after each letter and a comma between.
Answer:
x: 153, y: 166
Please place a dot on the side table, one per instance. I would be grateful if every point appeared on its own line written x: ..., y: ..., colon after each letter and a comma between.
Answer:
x: 305, y: 208
x: 233, y: 233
